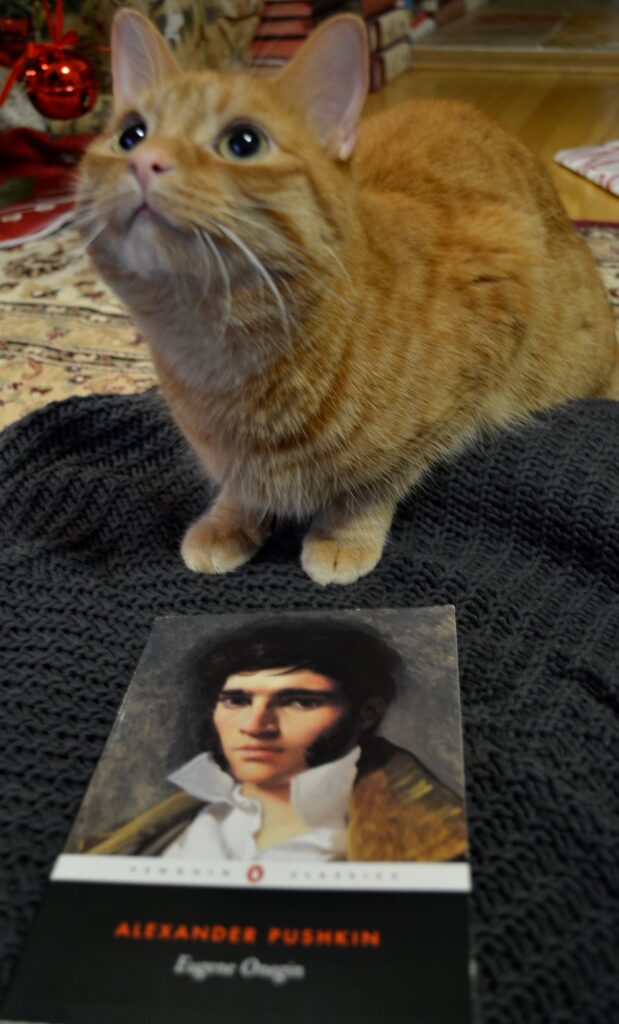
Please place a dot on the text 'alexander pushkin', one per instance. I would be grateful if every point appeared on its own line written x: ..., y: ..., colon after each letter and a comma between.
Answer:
x: 247, y: 935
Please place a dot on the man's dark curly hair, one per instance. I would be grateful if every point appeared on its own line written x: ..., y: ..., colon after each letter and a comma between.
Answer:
x: 353, y: 655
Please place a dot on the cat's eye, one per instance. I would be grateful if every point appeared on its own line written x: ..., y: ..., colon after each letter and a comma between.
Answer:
x: 132, y: 135
x: 243, y: 142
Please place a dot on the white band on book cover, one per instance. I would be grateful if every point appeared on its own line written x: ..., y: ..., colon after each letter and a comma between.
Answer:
x: 394, y: 876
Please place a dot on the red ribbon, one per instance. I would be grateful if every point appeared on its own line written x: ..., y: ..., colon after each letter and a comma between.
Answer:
x: 57, y: 40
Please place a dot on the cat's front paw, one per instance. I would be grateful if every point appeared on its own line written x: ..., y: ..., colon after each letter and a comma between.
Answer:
x: 336, y: 561
x: 213, y: 548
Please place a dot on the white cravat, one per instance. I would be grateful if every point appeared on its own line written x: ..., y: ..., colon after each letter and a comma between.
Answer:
x: 225, y: 829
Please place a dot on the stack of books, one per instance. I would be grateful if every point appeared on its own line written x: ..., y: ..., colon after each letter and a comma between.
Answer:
x: 390, y: 47
x: 422, y: 24
x: 285, y: 24
x: 284, y: 27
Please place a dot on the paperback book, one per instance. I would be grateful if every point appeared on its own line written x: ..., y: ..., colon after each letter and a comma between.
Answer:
x: 388, y: 28
x: 284, y: 28
x: 300, y: 8
x: 387, y: 64
x: 275, y: 831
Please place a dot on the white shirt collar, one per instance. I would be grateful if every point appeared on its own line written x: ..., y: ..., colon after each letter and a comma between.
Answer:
x: 319, y: 795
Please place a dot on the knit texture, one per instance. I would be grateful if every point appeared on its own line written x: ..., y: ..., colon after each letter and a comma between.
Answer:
x: 521, y: 534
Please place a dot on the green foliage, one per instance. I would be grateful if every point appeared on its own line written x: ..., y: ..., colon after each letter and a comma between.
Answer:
x: 14, y: 190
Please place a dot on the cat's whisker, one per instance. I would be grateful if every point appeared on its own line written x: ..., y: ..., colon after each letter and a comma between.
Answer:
x: 87, y: 226
x: 196, y: 209
x: 90, y: 198
x: 346, y: 300
x: 202, y: 220
x: 198, y: 227
x: 84, y: 216
x: 207, y: 261
x: 225, y: 278
x: 82, y: 249
x: 260, y: 228
x: 280, y: 235
x: 87, y: 242
x: 281, y: 279
x: 262, y: 271
x: 336, y: 259
x: 271, y: 208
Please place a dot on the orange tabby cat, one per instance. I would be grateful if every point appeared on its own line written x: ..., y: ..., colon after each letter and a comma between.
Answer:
x: 330, y: 314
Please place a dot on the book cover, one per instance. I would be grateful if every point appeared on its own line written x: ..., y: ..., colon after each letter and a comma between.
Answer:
x: 276, y: 28
x: 388, y: 28
x: 388, y: 64
x: 383, y: 30
x: 319, y: 9
x: 275, y: 831
x: 421, y: 26
x: 275, y: 49
x: 301, y: 8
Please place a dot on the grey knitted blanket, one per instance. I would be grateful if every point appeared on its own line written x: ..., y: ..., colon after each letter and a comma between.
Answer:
x: 521, y: 535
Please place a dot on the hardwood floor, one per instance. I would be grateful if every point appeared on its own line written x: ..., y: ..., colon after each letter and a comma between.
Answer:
x: 573, y: 34
x: 548, y: 111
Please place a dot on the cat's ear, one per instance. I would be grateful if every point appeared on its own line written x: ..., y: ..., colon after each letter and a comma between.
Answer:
x: 140, y: 56
x: 328, y: 80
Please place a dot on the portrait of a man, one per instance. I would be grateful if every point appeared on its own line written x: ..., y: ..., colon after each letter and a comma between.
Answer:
x: 289, y: 763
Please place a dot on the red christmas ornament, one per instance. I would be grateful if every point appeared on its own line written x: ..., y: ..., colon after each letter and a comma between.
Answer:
x: 61, y: 83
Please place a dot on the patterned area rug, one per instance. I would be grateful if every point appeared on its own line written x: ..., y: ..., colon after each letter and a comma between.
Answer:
x: 63, y: 333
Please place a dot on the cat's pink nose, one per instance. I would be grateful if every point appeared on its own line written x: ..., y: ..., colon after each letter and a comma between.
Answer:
x: 146, y: 163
